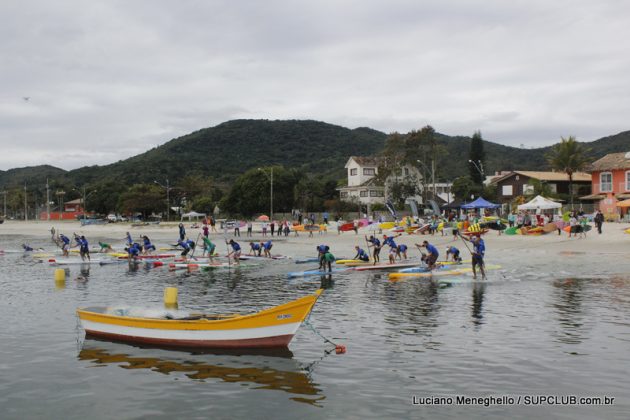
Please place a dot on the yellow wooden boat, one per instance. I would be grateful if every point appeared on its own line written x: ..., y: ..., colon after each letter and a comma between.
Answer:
x: 272, y: 327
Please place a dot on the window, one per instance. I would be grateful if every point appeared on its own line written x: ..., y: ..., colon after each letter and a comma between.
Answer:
x: 343, y: 194
x: 605, y: 182
x: 376, y: 193
x: 363, y: 193
x: 507, y: 190
x: 553, y: 187
x: 353, y: 171
x: 369, y: 171
x: 406, y: 172
x: 627, y: 180
x: 528, y: 189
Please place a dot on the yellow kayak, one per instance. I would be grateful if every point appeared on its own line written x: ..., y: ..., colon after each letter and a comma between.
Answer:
x: 387, y: 225
x: 345, y: 262
x: 627, y: 230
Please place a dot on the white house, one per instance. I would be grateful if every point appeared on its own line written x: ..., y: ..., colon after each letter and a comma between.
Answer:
x: 361, y: 181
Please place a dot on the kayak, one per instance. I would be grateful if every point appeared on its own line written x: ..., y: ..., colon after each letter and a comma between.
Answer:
x: 511, y: 230
x: 316, y: 272
x: 387, y: 225
x: 347, y: 227
x: 386, y: 266
x: 349, y: 261
x: 453, y: 272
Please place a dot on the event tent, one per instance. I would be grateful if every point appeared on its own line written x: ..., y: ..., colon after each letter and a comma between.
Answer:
x: 193, y: 214
x: 480, y: 203
x: 540, y: 203
x: 624, y: 203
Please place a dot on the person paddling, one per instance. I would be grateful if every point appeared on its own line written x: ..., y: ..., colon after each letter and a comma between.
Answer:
x: 208, y: 247
x: 478, y: 252
x: 236, y: 251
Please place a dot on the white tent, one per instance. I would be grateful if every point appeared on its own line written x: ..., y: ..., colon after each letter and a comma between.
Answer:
x: 540, y: 203
x: 193, y: 214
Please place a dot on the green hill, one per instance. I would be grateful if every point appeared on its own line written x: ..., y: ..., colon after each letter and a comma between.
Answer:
x: 231, y: 148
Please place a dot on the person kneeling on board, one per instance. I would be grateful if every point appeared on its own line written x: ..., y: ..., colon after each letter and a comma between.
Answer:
x: 451, y: 250
x: 361, y: 254
x: 187, y: 245
x: 267, y: 248
x: 254, y: 249
x: 236, y: 251
x: 431, y: 258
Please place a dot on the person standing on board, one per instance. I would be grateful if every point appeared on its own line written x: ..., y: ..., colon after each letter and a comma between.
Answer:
x: 478, y: 252
x: 236, y: 251
x: 376, y: 244
x: 208, y: 247
x: 84, y: 248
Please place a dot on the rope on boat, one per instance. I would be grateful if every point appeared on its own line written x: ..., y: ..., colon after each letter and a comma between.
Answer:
x: 339, y: 348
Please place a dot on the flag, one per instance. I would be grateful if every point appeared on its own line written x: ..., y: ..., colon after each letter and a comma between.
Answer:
x: 391, y: 209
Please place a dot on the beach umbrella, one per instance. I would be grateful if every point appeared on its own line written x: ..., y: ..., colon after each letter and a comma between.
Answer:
x: 624, y: 203
x: 263, y: 218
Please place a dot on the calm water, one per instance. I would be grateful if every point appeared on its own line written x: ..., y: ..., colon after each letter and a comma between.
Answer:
x: 528, y: 330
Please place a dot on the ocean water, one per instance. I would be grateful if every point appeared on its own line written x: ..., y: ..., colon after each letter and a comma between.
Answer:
x: 532, y: 329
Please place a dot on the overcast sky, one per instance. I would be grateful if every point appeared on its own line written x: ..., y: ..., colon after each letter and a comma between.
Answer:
x: 89, y: 82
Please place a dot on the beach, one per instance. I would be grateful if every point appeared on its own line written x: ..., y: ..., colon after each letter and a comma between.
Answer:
x: 611, y: 248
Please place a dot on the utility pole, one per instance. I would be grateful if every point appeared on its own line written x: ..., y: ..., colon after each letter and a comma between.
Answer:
x: 47, y: 200
x: 270, y: 192
x: 25, y: 204
x: 168, y: 197
x: 5, y: 202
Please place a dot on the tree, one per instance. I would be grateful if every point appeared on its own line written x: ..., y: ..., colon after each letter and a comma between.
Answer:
x: 464, y: 187
x: 539, y: 188
x: 476, y: 159
x: 143, y: 198
x: 568, y: 156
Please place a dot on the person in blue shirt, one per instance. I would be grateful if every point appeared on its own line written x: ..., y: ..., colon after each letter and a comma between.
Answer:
x: 182, y: 232
x: 147, y: 245
x: 254, y: 248
x: 133, y: 250
x: 431, y: 258
x: 26, y: 248
x: 361, y: 254
x: 186, y: 245
x: 325, y: 216
x: 451, y: 250
x: 129, y: 239
x: 402, y: 250
x: 84, y: 248
x: 65, y: 247
x: 478, y: 252
x: 236, y: 251
x: 376, y: 244
x: 321, y: 251
x: 267, y: 248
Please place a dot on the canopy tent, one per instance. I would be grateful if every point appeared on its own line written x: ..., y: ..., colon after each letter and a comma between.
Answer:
x: 193, y: 214
x: 624, y: 203
x: 540, y: 203
x: 480, y: 203
x: 263, y: 218
x: 455, y: 204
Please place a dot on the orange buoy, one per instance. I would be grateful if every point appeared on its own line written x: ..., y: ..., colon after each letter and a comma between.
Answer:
x: 340, y: 349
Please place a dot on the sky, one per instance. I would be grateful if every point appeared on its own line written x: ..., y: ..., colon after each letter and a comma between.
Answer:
x: 87, y: 83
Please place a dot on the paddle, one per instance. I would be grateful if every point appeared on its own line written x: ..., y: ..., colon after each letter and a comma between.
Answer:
x: 195, y: 248
x: 227, y: 247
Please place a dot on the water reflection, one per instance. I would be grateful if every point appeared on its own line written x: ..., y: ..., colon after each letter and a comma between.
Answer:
x: 271, y: 369
x: 477, y: 303
x: 568, y: 302
x: 413, y: 307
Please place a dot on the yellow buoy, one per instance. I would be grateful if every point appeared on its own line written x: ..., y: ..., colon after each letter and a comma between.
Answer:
x: 170, y: 297
x: 60, y: 274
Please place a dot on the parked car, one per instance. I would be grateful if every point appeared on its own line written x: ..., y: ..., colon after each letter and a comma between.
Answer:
x: 112, y: 218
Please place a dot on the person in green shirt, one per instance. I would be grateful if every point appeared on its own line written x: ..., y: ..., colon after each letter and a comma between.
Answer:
x: 328, y: 259
x: 208, y: 246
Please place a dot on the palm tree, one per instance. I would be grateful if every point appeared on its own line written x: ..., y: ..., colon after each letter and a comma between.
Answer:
x: 568, y: 156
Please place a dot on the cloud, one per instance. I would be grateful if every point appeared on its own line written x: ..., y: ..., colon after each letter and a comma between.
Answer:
x: 113, y: 79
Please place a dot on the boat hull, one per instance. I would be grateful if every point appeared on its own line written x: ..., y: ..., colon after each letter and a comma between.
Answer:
x: 273, y: 327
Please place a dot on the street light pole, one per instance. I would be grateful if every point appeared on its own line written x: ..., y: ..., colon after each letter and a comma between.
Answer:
x: 5, y: 202
x: 479, y: 168
x: 168, y: 197
x: 60, y: 195
x: 25, y: 204
x: 270, y: 192
x: 47, y: 200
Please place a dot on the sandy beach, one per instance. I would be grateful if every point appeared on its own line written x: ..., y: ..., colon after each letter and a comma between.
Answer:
x: 609, y: 250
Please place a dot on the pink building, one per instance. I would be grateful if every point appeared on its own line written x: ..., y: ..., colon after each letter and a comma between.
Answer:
x: 611, y: 183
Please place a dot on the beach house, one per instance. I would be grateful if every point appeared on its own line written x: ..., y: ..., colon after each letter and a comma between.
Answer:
x: 610, y: 183
x: 516, y: 183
